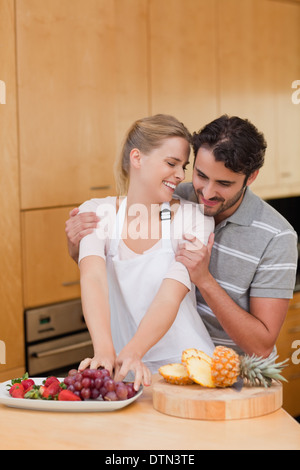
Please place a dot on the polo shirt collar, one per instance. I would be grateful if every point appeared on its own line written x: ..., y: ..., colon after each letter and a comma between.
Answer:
x: 245, y: 212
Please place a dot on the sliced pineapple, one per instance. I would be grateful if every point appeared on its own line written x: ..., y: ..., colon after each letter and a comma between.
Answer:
x: 196, y: 353
x: 199, y: 370
x: 175, y: 374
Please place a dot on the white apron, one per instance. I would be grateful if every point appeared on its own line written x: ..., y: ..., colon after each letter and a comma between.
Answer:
x: 133, y: 284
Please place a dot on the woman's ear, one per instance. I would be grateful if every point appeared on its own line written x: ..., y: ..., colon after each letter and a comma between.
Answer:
x: 135, y: 158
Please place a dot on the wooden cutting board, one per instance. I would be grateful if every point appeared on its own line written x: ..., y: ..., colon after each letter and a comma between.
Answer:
x: 196, y: 402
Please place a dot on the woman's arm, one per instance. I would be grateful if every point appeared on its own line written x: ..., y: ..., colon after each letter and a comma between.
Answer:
x: 155, y: 324
x: 95, y: 304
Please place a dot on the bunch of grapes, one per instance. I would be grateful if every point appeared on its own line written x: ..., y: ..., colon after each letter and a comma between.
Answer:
x: 92, y: 384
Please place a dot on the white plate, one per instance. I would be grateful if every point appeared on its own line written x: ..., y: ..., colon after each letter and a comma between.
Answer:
x: 73, y: 406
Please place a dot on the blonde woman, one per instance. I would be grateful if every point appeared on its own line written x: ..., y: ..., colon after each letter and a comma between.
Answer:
x: 138, y: 302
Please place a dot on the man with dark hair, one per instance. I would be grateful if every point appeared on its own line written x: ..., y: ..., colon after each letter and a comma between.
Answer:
x: 246, y: 274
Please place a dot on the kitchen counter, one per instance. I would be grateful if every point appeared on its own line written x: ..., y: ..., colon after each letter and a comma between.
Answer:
x: 140, y: 427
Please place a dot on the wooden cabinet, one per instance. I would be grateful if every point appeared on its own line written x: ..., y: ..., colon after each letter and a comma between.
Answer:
x: 288, y: 346
x: 183, y: 51
x: 287, y: 70
x: 12, y: 349
x: 259, y: 58
x: 82, y: 78
x: 49, y: 274
x: 82, y: 81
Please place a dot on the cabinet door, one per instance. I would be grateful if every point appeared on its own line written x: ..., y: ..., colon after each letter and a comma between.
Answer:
x: 183, y: 41
x: 288, y: 346
x: 50, y: 275
x: 82, y: 81
x: 259, y: 56
x: 287, y: 70
x: 246, y: 58
x: 11, y: 317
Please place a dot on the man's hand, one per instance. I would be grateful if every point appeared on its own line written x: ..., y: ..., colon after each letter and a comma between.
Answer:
x: 77, y: 227
x: 196, y: 257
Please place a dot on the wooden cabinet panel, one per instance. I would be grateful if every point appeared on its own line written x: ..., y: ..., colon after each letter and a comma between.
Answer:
x: 50, y: 275
x: 246, y: 58
x: 259, y: 57
x: 11, y: 316
x: 183, y: 41
x: 132, y: 64
x: 287, y: 345
x: 287, y: 70
x: 80, y: 69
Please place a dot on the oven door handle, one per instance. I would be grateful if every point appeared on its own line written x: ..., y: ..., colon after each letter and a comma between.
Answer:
x: 71, y: 347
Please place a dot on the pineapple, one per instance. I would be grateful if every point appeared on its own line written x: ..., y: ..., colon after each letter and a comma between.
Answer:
x: 196, y: 353
x: 199, y: 371
x: 227, y: 366
x: 223, y: 369
x: 175, y: 374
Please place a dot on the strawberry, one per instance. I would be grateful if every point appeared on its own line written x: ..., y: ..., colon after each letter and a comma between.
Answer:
x: 52, y: 390
x: 27, y: 384
x: 42, y: 390
x: 50, y: 380
x: 67, y: 395
x: 17, y: 390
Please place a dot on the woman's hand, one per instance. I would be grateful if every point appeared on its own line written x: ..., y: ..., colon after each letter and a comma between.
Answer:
x: 106, y: 361
x: 130, y: 361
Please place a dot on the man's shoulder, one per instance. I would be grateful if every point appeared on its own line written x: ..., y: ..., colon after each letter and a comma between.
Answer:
x: 271, y: 218
x: 186, y: 191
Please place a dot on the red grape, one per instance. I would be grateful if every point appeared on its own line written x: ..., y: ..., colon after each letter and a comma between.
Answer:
x: 93, y: 384
x: 95, y: 393
x: 86, y: 382
x: 78, y: 385
x: 98, y: 383
x: 121, y: 391
x: 110, y: 385
x: 85, y: 393
x: 111, y: 396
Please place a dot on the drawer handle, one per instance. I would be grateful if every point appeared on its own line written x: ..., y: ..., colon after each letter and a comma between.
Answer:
x: 99, y: 188
x: 295, y: 306
x: 71, y: 283
x: 71, y: 347
x: 294, y: 376
x: 296, y: 329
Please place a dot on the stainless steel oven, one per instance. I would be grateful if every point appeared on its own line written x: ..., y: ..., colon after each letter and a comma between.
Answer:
x: 57, y: 338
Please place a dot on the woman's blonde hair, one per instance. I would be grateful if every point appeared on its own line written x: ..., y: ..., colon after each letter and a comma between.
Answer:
x: 146, y: 135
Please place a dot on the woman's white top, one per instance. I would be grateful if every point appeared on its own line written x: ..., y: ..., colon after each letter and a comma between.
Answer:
x: 134, y: 279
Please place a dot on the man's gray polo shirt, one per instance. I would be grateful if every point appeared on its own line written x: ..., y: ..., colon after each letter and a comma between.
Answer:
x: 254, y: 255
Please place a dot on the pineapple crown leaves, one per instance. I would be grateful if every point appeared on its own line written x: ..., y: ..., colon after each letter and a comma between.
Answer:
x: 260, y: 370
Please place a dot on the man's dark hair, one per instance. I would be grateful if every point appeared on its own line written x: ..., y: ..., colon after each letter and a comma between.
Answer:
x: 234, y: 141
